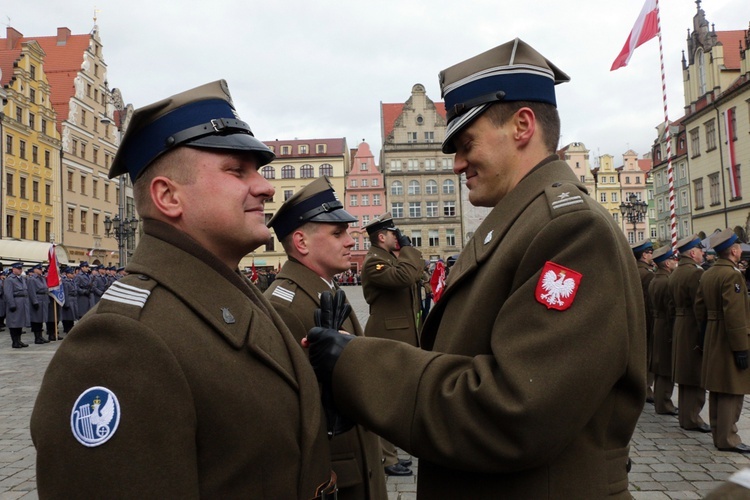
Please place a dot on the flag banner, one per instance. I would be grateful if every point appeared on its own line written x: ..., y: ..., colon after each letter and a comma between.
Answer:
x: 734, y: 174
x: 90, y: 253
x: 437, y: 281
x: 646, y: 27
x: 53, y: 277
x: 254, y: 274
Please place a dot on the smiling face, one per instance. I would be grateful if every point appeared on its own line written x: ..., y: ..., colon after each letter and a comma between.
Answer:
x: 222, y: 204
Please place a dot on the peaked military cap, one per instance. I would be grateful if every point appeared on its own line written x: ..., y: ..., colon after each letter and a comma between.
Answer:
x: 722, y: 240
x: 688, y: 243
x: 642, y: 246
x: 384, y: 221
x: 663, y: 253
x: 316, y: 202
x: 513, y: 71
x: 83, y: 264
x: 17, y: 265
x: 203, y: 117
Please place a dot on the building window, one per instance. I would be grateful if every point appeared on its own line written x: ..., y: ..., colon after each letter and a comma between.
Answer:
x: 320, y: 148
x: 364, y: 182
x: 395, y: 165
x: 32, y: 71
x: 449, y: 187
x: 415, y: 209
x: 446, y: 163
x: 660, y: 205
x: 306, y: 171
x: 430, y: 164
x: 288, y: 194
x: 627, y: 179
x: 47, y: 194
x: 35, y: 230
x: 9, y: 144
x: 47, y: 232
x: 22, y: 149
x: 429, y: 137
x: 35, y: 191
x: 83, y: 184
x: 683, y: 199
x: 449, y: 208
x: 19, y: 114
x: 603, y: 197
x: 710, y: 135
x: 411, y: 137
x: 9, y: 185
x: 32, y: 96
x: 22, y: 222
x: 286, y: 150
x: 95, y: 158
x: 326, y: 169
x: 363, y: 166
x: 397, y: 210
x: 22, y: 187
x: 268, y: 172
x: 375, y: 183
x: 365, y: 200
x: 95, y: 224
x: 434, y: 238
x: 614, y: 197
x: 83, y: 150
x: 353, y: 200
x: 287, y: 172
x: 416, y: 238
x: 397, y: 188
x: 353, y: 183
x: 70, y: 180
x: 695, y: 143
x: 365, y: 220
x: 83, y: 117
x: 713, y: 181
x: 83, y: 221
x: 43, y: 128
x: 376, y: 200
x: 106, y: 191
x: 450, y: 237
x: 431, y: 187
x: 71, y: 218
x: 74, y: 148
x: 414, y: 187
x: 302, y: 148
x: 94, y: 188
x: 432, y: 208
x: 9, y: 225
x: 32, y: 120
x: 413, y: 165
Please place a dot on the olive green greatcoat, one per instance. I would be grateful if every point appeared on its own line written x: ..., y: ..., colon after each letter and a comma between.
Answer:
x: 389, y: 284
x: 217, y: 399
x: 646, y: 274
x: 355, y: 455
x: 511, y: 399
x: 662, y: 312
x: 723, y: 303
x: 686, y: 359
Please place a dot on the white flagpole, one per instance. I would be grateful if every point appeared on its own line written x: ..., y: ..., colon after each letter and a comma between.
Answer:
x: 668, y: 137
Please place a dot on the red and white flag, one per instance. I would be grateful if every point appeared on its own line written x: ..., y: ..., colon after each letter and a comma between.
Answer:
x: 90, y: 253
x: 437, y: 281
x: 53, y: 277
x: 646, y: 27
x: 734, y: 174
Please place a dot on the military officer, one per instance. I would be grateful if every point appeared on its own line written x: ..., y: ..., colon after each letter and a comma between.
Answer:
x: 3, y: 275
x: 312, y: 227
x: 662, y: 311
x: 84, y: 285
x: 721, y: 307
x: 163, y: 390
x: 69, y: 310
x: 99, y: 280
x: 686, y: 353
x: 643, y: 252
x: 391, y: 276
x: 492, y: 403
x: 38, y: 302
x: 16, y: 294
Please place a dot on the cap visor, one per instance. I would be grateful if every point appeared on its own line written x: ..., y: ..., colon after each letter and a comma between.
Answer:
x: 456, y: 125
x: 234, y: 142
x: 335, y: 216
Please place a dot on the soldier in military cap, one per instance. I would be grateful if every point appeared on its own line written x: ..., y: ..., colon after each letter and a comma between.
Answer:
x: 662, y: 312
x: 69, y: 310
x: 722, y: 310
x: 643, y: 252
x: 312, y: 227
x: 492, y: 405
x: 687, y: 356
x: 16, y: 292
x: 164, y: 390
x: 38, y: 302
x: 84, y: 283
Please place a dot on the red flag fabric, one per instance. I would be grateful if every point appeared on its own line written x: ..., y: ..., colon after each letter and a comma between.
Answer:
x: 646, y: 27
x: 734, y: 173
x: 437, y: 281
x: 254, y: 274
x: 53, y: 277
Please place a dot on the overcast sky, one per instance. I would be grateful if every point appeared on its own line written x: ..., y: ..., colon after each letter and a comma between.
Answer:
x: 321, y: 68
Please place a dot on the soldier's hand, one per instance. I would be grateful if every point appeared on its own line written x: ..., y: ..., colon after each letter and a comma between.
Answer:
x: 13, y: 309
x: 740, y: 359
x: 333, y: 310
x: 403, y: 240
x: 325, y: 345
x: 35, y: 306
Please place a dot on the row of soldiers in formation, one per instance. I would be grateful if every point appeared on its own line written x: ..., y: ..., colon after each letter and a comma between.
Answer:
x: 698, y: 333
x: 25, y: 300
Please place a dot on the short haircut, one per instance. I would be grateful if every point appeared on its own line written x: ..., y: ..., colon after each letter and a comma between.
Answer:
x: 546, y: 115
x: 176, y: 164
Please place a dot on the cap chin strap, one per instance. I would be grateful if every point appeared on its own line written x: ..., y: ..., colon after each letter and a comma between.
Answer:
x: 323, y: 208
x: 217, y: 126
x: 461, y: 108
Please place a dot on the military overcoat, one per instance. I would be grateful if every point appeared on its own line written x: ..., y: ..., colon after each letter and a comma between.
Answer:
x: 84, y: 285
x: 646, y: 273
x: 69, y: 310
x: 389, y: 284
x: 216, y: 398
x: 662, y: 312
x: 686, y: 358
x: 38, y: 298
x: 356, y: 454
x: 723, y: 303
x: 16, y: 294
x: 514, y: 398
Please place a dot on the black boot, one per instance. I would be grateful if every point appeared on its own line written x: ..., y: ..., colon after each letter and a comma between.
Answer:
x: 39, y: 338
x: 16, y: 338
x: 23, y: 344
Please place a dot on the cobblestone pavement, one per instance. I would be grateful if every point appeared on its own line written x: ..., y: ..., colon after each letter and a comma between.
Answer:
x: 668, y: 463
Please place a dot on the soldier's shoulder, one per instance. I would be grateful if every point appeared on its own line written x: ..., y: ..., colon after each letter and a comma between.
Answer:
x: 566, y: 197
x: 281, y: 291
x: 127, y: 296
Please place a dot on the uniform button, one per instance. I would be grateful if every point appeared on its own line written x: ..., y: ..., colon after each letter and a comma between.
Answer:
x: 143, y: 277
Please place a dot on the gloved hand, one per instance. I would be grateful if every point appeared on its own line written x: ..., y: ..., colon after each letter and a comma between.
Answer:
x: 325, y: 346
x: 740, y: 359
x: 35, y: 306
x: 13, y: 309
x: 403, y: 240
x: 333, y: 310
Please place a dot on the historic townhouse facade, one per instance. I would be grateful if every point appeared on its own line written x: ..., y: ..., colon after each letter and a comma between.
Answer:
x: 633, y: 181
x: 422, y: 190
x: 576, y: 156
x: 29, y: 154
x: 607, y: 181
x: 716, y: 78
x: 298, y: 162
x: 364, y: 199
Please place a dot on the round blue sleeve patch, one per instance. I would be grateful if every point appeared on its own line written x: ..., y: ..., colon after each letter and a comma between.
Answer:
x: 95, y: 416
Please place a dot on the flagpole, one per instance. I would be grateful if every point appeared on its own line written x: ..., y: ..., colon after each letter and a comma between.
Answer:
x: 668, y: 137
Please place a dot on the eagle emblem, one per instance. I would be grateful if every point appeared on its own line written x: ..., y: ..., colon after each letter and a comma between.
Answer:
x: 95, y: 416
x: 557, y: 286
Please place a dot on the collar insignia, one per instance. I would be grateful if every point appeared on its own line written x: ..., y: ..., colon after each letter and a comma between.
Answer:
x: 227, y: 316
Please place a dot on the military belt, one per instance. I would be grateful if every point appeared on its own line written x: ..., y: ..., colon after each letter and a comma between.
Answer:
x: 328, y: 490
x: 41, y: 293
x: 20, y: 294
x: 715, y: 315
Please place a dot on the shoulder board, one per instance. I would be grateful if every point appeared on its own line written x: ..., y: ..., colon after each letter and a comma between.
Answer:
x: 565, y: 197
x: 285, y: 292
x: 128, y: 295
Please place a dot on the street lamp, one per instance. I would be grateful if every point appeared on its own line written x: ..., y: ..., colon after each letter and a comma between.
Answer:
x: 120, y: 229
x: 633, y: 211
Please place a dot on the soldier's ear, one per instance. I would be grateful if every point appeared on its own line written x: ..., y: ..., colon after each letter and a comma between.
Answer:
x: 166, y: 197
x: 300, y: 242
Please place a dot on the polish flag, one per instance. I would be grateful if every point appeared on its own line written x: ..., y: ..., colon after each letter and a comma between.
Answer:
x: 90, y: 253
x: 646, y: 28
x: 734, y: 173
x: 437, y: 281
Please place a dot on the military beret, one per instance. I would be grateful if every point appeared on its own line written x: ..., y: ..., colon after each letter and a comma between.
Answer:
x: 385, y: 221
x: 513, y: 71
x: 663, y: 253
x: 688, y: 243
x: 642, y: 246
x: 722, y: 240
x: 203, y: 117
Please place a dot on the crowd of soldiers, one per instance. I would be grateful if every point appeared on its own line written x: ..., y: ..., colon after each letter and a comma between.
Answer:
x: 26, y: 302
x: 698, y: 333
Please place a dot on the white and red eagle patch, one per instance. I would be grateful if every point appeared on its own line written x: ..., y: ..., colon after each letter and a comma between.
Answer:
x: 557, y: 286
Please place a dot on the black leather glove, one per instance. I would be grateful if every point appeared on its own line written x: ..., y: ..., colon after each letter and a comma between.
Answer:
x: 740, y: 359
x: 403, y: 240
x: 333, y: 310
x: 35, y: 306
x: 13, y: 309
